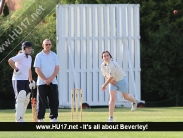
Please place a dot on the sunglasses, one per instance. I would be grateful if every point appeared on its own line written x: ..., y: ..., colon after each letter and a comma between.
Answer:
x: 48, y: 44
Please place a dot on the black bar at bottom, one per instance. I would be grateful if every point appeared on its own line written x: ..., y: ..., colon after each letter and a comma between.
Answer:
x: 91, y: 126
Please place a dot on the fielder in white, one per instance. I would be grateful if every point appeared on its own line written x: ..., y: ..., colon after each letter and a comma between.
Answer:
x: 22, y: 79
x: 117, y: 81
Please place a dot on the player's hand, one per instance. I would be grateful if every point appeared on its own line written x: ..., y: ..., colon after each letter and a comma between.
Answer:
x: 16, y: 72
x: 32, y: 84
x: 50, y: 79
x: 113, y: 83
x: 103, y: 87
x: 47, y: 82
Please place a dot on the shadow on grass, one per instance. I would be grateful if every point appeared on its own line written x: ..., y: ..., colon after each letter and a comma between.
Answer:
x: 145, y: 109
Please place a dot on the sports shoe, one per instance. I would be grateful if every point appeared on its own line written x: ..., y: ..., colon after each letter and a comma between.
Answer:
x: 40, y: 120
x: 20, y: 120
x: 134, y: 106
x: 110, y: 119
x: 53, y: 120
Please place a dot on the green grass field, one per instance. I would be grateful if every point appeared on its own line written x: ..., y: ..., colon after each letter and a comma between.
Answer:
x: 172, y: 114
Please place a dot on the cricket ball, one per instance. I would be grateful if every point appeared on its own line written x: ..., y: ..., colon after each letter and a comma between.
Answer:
x: 175, y: 12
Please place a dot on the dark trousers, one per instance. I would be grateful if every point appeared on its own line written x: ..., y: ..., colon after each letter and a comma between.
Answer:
x: 19, y: 85
x: 50, y: 92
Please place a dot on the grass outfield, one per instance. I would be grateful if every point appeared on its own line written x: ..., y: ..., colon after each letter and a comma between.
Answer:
x: 173, y: 114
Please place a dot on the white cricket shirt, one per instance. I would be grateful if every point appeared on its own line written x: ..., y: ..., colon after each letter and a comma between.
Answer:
x: 112, y: 69
x: 23, y: 64
x: 47, y: 64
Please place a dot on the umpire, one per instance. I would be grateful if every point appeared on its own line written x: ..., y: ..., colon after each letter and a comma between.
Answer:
x: 47, y: 67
